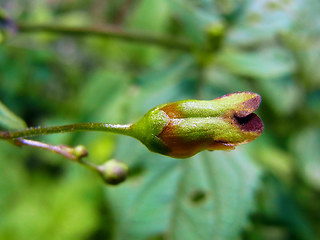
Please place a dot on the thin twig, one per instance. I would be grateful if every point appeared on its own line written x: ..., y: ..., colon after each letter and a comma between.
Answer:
x: 108, y: 32
x: 66, y: 151
x: 75, y: 154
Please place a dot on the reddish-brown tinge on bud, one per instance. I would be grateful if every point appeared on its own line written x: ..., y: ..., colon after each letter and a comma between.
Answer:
x: 172, y: 110
x: 249, y: 106
x: 181, y: 147
x: 250, y: 123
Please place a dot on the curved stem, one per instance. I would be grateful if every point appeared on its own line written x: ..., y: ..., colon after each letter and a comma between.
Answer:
x: 67, y: 152
x: 31, y: 132
x: 108, y: 32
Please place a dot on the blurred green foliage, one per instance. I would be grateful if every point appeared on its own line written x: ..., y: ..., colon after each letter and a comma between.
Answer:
x: 268, y: 189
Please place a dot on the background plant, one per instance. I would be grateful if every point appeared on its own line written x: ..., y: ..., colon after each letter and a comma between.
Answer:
x: 268, y: 189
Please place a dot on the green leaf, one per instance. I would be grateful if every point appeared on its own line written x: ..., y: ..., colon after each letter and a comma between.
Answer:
x: 205, y: 197
x: 101, y: 93
x: 150, y: 16
x: 35, y: 206
x: 142, y: 205
x: 222, y: 81
x: 164, y: 83
x: 305, y: 145
x: 264, y: 20
x: 215, y: 195
x: 266, y: 64
x: 9, y: 120
x: 196, y: 17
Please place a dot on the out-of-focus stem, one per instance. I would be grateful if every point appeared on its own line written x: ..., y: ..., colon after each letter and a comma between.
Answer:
x: 108, y: 32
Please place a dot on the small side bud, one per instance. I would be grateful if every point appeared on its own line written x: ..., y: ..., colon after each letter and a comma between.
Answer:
x: 80, y: 151
x: 74, y: 153
x: 113, y: 172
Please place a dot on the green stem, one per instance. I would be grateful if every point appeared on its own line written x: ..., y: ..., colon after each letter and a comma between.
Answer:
x: 31, y: 132
x: 109, y: 32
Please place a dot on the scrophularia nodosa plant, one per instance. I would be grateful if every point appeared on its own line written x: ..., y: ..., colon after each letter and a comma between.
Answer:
x: 179, y: 129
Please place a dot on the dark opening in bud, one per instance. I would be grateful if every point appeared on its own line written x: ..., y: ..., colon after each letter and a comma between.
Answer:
x: 250, y: 123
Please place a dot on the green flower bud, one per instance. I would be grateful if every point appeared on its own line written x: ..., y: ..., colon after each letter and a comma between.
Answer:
x: 184, y: 128
x: 113, y: 172
x: 80, y: 151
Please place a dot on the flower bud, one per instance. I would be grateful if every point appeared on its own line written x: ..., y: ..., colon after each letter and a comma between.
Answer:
x: 113, y: 172
x: 184, y: 128
x: 80, y: 151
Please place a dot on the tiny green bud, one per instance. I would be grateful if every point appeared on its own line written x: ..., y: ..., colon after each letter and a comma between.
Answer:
x: 113, y: 172
x: 184, y: 128
x: 216, y: 29
x: 80, y: 151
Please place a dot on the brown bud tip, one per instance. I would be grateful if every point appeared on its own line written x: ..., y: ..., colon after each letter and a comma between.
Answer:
x: 113, y: 172
x: 250, y: 123
x: 244, y: 116
x: 249, y: 105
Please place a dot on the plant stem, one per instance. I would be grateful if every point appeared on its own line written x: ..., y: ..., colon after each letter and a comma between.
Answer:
x: 108, y: 32
x: 31, y: 132
x: 63, y: 150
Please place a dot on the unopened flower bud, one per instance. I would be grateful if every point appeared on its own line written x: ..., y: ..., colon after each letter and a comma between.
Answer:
x: 113, y: 172
x: 80, y: 151
x: 184, y: 128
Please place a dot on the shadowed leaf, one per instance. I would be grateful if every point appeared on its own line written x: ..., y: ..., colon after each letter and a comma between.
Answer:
x: 9, y: 120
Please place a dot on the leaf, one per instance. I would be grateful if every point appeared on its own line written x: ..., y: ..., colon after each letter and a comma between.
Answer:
x: 221, y: 81
x: 9, y: 120
x: 196, y: 17
x: 142, y: 205
x: 263, y: 21
x: 304, y: 42
x: 305, y: 146
x: 282, y: 104
x: 150, y: 16
x: 165, y: 83
x: 266, y: 64
x: 101, y: 92
x: 205, y: 197
x: 36, y: 206
x: 153, y: 17
x: 215, y: 196
x: 275, y: 160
